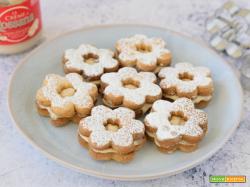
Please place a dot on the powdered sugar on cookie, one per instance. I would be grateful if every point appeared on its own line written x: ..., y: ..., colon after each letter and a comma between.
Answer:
x: 143, y: 83
x: 143, y: 50
x: 162, y: 111
x: 100, y: 137
x: 102, y: 59
x: 199, y: 76
x: 81, y: 96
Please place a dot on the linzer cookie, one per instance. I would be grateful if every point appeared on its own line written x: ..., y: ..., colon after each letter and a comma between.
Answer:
x: 89, y: 61
x: 130, y: 89
x: 185, y: 80
x: 111, y: 134
x: 146, y: 54
x: 176, y: 125
x: 65, y: 99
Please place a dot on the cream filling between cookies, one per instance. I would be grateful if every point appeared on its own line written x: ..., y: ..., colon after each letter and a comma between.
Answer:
x: 96, y: 82
x: 51, y: 114
x: 152, y: 135
x: 110, y: 150
x: 144, y: 109
x: 195, y: 99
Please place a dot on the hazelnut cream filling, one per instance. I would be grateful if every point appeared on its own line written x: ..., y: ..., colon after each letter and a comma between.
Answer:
x: 96, y: 82
x: 51, y: 113
x: 110, y: 150
x: 152, y: 135
x: 144, y: 109
x: 53, y: 116
x: 196, y: 99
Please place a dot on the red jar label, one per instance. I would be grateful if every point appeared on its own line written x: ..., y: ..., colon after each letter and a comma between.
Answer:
x: 20, y: 22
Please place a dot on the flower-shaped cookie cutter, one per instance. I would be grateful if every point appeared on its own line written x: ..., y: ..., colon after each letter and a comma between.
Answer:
x: 228, y: 30
x: 172, y: 124
x: 147, y: 54
x: 67, y: 96
x: 89, y: 61
x: 116, y: 129
x: 129, y: 88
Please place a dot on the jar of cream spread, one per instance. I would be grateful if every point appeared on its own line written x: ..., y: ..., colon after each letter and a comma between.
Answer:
x: 20, y: 25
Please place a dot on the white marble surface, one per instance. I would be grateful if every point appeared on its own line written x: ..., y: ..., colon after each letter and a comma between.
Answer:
x: 22, y: 165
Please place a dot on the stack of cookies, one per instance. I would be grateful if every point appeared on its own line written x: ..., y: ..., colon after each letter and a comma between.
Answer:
x: 131, y: 82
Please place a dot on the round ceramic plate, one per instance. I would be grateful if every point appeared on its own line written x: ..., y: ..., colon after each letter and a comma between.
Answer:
x: 61, y: 145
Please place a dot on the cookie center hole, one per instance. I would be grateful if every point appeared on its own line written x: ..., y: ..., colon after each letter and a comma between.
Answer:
x: 112, y: 125
x: 67, y: 91
x: 130, y: 84
x: 177, y: 118
x: 144, y: 48
x: 186, y: 76
x: 90, y: 58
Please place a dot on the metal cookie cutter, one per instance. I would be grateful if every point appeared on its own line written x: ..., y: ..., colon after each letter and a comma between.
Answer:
x: 229, y: 30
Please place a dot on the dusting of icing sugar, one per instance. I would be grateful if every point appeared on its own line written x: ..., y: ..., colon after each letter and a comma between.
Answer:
x: 74, y: 59
x: 161, y: 105
x: 146, y: 87
x: 170, y: 77
x: 82, y: 89
x: 100, y: 114
x: 128, y: 49
x: 159, y: 119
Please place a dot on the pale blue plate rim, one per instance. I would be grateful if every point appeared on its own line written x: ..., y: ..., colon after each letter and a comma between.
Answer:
x: 122, y: 177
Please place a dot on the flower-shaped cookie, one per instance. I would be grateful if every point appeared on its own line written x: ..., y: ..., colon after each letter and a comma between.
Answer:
x: 129, y: 88
x: 89, y: 61
x: 185, y: 80
x: 147, y: 54
x: 176, y: 125
x: 66, y: 97
x: 111, y: 131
